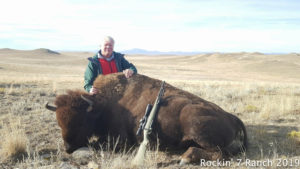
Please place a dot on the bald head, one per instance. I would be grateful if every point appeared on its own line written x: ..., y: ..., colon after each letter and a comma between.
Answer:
x: 107, y: 46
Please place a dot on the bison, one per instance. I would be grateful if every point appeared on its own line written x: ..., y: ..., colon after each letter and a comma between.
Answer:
x: 184, y: 121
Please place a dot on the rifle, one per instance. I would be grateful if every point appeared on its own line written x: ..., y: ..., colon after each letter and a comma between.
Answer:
x: 147, y: 128
x: 143, y: 121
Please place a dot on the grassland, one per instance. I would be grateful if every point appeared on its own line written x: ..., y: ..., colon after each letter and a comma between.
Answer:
x: 263, y: 90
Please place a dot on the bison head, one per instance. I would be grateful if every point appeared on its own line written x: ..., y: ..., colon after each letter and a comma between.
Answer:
x: 76, y: 116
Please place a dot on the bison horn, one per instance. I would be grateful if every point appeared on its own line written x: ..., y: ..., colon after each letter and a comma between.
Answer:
x: 90, y: 102
x: 52, y: 108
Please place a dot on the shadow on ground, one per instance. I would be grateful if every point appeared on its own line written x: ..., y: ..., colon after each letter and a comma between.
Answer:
x: 269, y: 141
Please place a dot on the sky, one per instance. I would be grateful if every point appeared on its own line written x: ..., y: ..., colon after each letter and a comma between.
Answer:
x: 268, y: 26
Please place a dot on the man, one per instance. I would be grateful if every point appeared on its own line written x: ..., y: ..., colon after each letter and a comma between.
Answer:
x: 106, y: 61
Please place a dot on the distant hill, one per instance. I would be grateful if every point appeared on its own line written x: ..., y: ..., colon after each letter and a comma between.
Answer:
x: 136, y: 51
x: 37, y: 51
x: 7, y: 50
x: 45, y: 51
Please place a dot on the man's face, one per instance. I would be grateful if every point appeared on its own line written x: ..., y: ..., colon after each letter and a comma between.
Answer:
x: 107, y: 48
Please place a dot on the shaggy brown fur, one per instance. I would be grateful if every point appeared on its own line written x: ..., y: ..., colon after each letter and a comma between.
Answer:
x: 184, y: 121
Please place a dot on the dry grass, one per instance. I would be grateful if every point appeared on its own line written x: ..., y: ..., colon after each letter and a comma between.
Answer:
x: 31, y: 138
x: 14, y: 142
x: 268, y: 135
x: 261, y: 100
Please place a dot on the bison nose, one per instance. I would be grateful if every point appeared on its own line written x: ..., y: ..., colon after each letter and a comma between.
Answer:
x: 68, y: 148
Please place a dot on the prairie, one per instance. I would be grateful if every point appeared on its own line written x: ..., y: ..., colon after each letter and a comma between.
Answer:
x: 263, y: 90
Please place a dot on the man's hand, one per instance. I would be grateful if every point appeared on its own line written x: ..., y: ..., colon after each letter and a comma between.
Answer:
x: 93, y: 91
x: 128, y: 73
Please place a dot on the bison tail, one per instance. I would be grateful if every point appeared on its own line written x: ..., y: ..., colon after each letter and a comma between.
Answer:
x: 245, y: 136
x: 240, y: 142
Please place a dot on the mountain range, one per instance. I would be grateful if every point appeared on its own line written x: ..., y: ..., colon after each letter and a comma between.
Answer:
x: 137, y: 51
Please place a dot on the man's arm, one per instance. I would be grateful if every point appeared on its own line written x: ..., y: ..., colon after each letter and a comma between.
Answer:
x: 89, y: 76
x: 126, y: 65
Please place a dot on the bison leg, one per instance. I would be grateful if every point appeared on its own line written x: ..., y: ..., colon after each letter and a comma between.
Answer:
x: 195, y: 154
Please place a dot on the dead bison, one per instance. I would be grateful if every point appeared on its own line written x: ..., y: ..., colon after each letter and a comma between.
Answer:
x: 184, y: 121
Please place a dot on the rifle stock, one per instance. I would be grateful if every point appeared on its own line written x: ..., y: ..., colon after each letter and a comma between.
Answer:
x: 139, y: 158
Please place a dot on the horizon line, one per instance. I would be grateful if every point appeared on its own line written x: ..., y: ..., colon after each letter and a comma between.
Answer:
x: 150, y: 52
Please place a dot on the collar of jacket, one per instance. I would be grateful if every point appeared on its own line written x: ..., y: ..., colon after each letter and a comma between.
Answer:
x: 117, y: 57
x: 107, y: 59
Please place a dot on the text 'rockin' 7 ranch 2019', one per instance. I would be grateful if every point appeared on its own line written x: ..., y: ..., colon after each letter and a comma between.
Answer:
x: 251, y: 163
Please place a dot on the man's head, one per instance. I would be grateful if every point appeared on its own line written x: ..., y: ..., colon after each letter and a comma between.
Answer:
x: 107, y: 46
